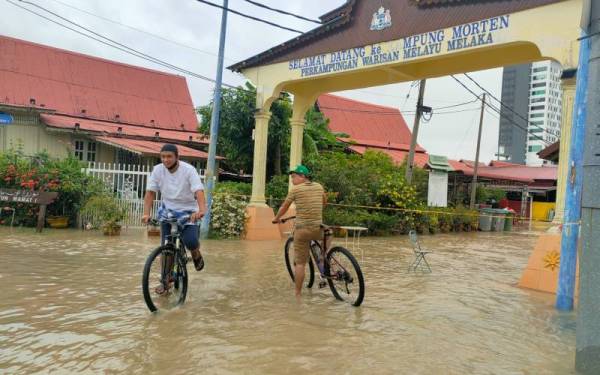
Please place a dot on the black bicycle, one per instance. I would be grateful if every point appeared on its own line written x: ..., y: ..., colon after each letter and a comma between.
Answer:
x: 337, y: 267
x: 165, y: 278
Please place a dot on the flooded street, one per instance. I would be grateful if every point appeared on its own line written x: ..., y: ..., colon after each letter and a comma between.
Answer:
x: 73, y: 304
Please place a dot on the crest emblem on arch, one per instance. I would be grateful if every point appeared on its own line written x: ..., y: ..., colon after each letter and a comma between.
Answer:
x: 382, y: 19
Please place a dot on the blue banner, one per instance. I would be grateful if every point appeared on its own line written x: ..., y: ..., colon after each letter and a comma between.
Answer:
x: 5, y: 119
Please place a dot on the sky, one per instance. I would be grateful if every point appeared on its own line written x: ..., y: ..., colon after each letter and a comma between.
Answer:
x: 185, y: 33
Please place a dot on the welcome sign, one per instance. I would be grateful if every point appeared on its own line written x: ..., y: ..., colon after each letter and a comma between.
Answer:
x: 465, y: 36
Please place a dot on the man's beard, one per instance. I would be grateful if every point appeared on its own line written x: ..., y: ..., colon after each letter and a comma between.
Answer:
x: 174, y: 166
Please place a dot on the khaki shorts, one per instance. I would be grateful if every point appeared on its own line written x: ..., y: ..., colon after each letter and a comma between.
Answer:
x: 302, y: 238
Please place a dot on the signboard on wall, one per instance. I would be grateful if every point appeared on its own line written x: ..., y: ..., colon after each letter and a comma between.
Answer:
x: 5, y: 119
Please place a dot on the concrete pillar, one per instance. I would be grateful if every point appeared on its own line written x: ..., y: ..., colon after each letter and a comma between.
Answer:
x: 568, y: 100
x: 259, y: 170
x: 298, y: 125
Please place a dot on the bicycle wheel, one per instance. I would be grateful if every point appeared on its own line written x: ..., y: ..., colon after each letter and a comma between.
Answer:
x: 289, y: 263
x: 164, y: 269
x: 344, y: 276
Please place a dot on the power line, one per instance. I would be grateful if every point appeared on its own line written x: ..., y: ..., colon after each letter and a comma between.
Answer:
x: 109, y: 42
x: 136, y: 29
x: 501, y: 103
x: 498, y: 111
x: 396, y: 113
x: 282, y: 12
x: 249, y: 16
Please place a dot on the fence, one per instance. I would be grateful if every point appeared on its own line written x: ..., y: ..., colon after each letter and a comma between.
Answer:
x: 128, y: 183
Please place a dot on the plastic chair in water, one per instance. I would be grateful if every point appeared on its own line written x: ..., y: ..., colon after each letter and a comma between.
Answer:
x: 419, y: 253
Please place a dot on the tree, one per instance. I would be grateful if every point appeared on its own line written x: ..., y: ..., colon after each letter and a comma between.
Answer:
x: 318, y: 137
x: 235, y: 141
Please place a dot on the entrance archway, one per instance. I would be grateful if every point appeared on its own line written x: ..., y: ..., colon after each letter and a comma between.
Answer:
x: 368, y: 43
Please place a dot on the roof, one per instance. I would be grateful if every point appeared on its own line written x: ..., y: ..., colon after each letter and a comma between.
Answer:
x: 551, y: 152
x: 507, y: 171
x: 398, y: 156
x: 150, y: 148
x: 79, y: 85
x: 365, y: 123
x: 110, y: 128
x: 348, y: 26
x: 439, y: 163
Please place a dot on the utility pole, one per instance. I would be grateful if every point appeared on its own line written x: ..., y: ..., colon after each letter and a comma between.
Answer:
x: 415, y: 133
x: 476, y: 166
x: 587, y: 357
x: 214, y: 125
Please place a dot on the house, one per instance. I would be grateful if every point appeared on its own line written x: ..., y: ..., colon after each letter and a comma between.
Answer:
x: 370, y: 127
x: 521, y: 183
x: 102, y: 111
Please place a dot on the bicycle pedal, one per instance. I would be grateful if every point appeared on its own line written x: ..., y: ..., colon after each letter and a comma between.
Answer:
x: 322, y: 284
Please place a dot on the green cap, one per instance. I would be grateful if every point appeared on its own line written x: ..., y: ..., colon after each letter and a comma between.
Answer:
x: 300, y: 169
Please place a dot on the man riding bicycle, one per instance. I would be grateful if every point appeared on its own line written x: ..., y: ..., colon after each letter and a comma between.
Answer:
x: 182, y: 193
x: 310, y: 199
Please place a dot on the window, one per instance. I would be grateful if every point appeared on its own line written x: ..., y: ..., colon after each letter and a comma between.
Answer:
x: 85, y: 150
x: 538, y: 92
x: 91, y: 151
x: 534, y: 115
x: 79, y: 145
x: 535, y: 148
x: 541, y: 84
x: 541, y: 69
x: 536, y: 130
x: 538, y: 100
x: 537, y: 107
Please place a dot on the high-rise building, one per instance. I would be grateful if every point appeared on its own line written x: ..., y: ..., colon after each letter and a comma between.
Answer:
x: 512, y: 141
x: 545, y: 104
x: 533, y: 92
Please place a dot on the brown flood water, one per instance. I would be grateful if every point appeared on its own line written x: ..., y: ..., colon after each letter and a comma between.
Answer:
x: 72, y: 303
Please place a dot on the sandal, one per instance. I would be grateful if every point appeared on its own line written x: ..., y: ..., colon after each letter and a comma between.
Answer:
x: 198, y: 262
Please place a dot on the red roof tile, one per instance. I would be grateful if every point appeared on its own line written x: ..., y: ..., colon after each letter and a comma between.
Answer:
x: 69, y: 82
x: 111, y: 128
x: 397, y: 156
x: 150, y: 148
x: 368, y: 123
x: 507, y: 171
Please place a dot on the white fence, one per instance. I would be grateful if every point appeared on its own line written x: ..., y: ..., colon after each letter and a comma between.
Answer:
x: 128, y: 183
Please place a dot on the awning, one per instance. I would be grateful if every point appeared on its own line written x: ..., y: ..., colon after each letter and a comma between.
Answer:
x: 150, y: 148
x: 108, y: 128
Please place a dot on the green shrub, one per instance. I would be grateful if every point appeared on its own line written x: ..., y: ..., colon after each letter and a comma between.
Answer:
x: 104, y: 210
x: 234, y: 188
x: 228, y: 215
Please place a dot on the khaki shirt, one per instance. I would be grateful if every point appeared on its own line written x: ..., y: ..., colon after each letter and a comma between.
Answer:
x: 309, y: 204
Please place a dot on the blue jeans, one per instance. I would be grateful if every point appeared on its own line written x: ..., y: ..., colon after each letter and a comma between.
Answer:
x: 189, y: 235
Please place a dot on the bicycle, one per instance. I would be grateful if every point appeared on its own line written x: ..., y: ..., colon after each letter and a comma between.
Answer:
x: 337, y: 267
x: 169, y: 271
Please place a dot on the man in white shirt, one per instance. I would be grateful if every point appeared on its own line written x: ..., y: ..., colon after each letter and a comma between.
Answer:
x: 182, y: 193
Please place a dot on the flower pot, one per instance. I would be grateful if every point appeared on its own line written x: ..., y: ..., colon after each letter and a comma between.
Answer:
x: 58, y: 221
x: 111, y: 230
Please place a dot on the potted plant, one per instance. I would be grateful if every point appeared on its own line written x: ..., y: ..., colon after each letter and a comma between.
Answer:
x: 434, y: 224
x: 444, y: 220
x: 107, y: 211
x: 58, y: 221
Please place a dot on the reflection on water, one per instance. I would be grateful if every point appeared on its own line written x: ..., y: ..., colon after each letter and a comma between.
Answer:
x: 73, y: 304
